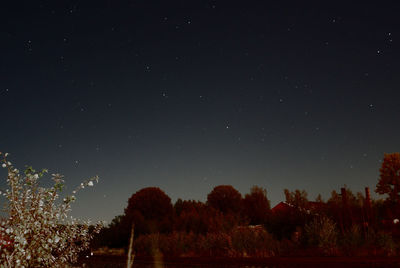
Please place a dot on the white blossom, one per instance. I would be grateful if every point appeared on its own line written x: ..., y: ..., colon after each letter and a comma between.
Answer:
x: 34, y: 215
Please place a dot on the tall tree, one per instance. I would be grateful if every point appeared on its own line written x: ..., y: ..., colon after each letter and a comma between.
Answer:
x: 256, y: 205
x: 225, y: 198
x: 150, y: 209
x: 389, y: 180
x: 297, y: 198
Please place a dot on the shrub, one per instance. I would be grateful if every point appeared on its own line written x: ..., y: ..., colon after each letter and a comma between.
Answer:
x: 352, y: 240
x: 381, y: 243
x: 384, y: 241
x: 322, y: 233
x: 253, y: 241
x: 38, y: 225
x: 216, y: 244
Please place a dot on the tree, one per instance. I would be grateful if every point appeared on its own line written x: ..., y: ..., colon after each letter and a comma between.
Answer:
x: 297, y: 198
x: 389, y: 181
x: 38, y: 226
x: 191, y: 216
x: 225, y: 198
x: 150, y: 209
x: 256, y: 205
x: 319, y: 199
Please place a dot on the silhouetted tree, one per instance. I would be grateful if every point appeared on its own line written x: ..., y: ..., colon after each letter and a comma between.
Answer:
x: 256, y: 205
x: 319, y: 199
x: 191, y: 216
x: 178, y: 206
x: 225, y: 198
x: 297, y: 198
x: 150, y: 209
x: 389, y: 180
x: 346, y: 212
x: 115, y: 235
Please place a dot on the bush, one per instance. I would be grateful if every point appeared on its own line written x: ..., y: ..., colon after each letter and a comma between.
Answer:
x: 352, y: 240
x: 322, y: 233
x: 380, y: 243
x: 384, y: 242
x: 216, y: 244
x: 253, y: 241
x: 38, y: 226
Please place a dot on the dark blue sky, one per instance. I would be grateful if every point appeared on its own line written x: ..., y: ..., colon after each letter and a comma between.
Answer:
x: 188, y: 95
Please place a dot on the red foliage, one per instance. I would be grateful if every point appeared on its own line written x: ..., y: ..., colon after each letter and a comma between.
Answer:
x: 225, y: 198
x: 256, y: 205
x: 150, y: 209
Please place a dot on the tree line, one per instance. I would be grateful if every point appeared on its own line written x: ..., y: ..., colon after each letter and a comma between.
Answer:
x: 231, y: 224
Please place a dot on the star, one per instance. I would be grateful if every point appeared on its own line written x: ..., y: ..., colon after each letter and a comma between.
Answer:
x: 371, y: 107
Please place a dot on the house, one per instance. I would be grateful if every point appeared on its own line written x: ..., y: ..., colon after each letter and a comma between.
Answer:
x: 312, y: 207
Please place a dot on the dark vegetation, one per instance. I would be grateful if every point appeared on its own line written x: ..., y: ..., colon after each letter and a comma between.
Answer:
x: 230, y: 225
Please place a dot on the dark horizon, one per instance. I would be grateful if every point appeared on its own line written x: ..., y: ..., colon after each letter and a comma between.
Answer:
x: 188, y: 96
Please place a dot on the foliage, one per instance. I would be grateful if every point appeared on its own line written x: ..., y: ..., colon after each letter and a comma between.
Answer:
x: 256, y: 205
x: 297, y: 198
x: 195, y: 216
x: 297, y: 227
x: 253, y: 241
x: 150, y: 209
x: 322, y: 233
x: 384, y: 241
x: 389, y: 180
x: 348, y: 212
x: 225, y: 198
x: 295, y: 214
x: 38, y: 226
x: 351, y: 240
x: 115, y: 235
x: 243, y: 241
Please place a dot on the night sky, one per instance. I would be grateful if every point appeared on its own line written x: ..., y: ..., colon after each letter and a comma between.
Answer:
x: 188, y: 95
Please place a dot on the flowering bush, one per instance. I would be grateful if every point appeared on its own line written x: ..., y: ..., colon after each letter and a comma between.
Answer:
x: 38, y: 226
